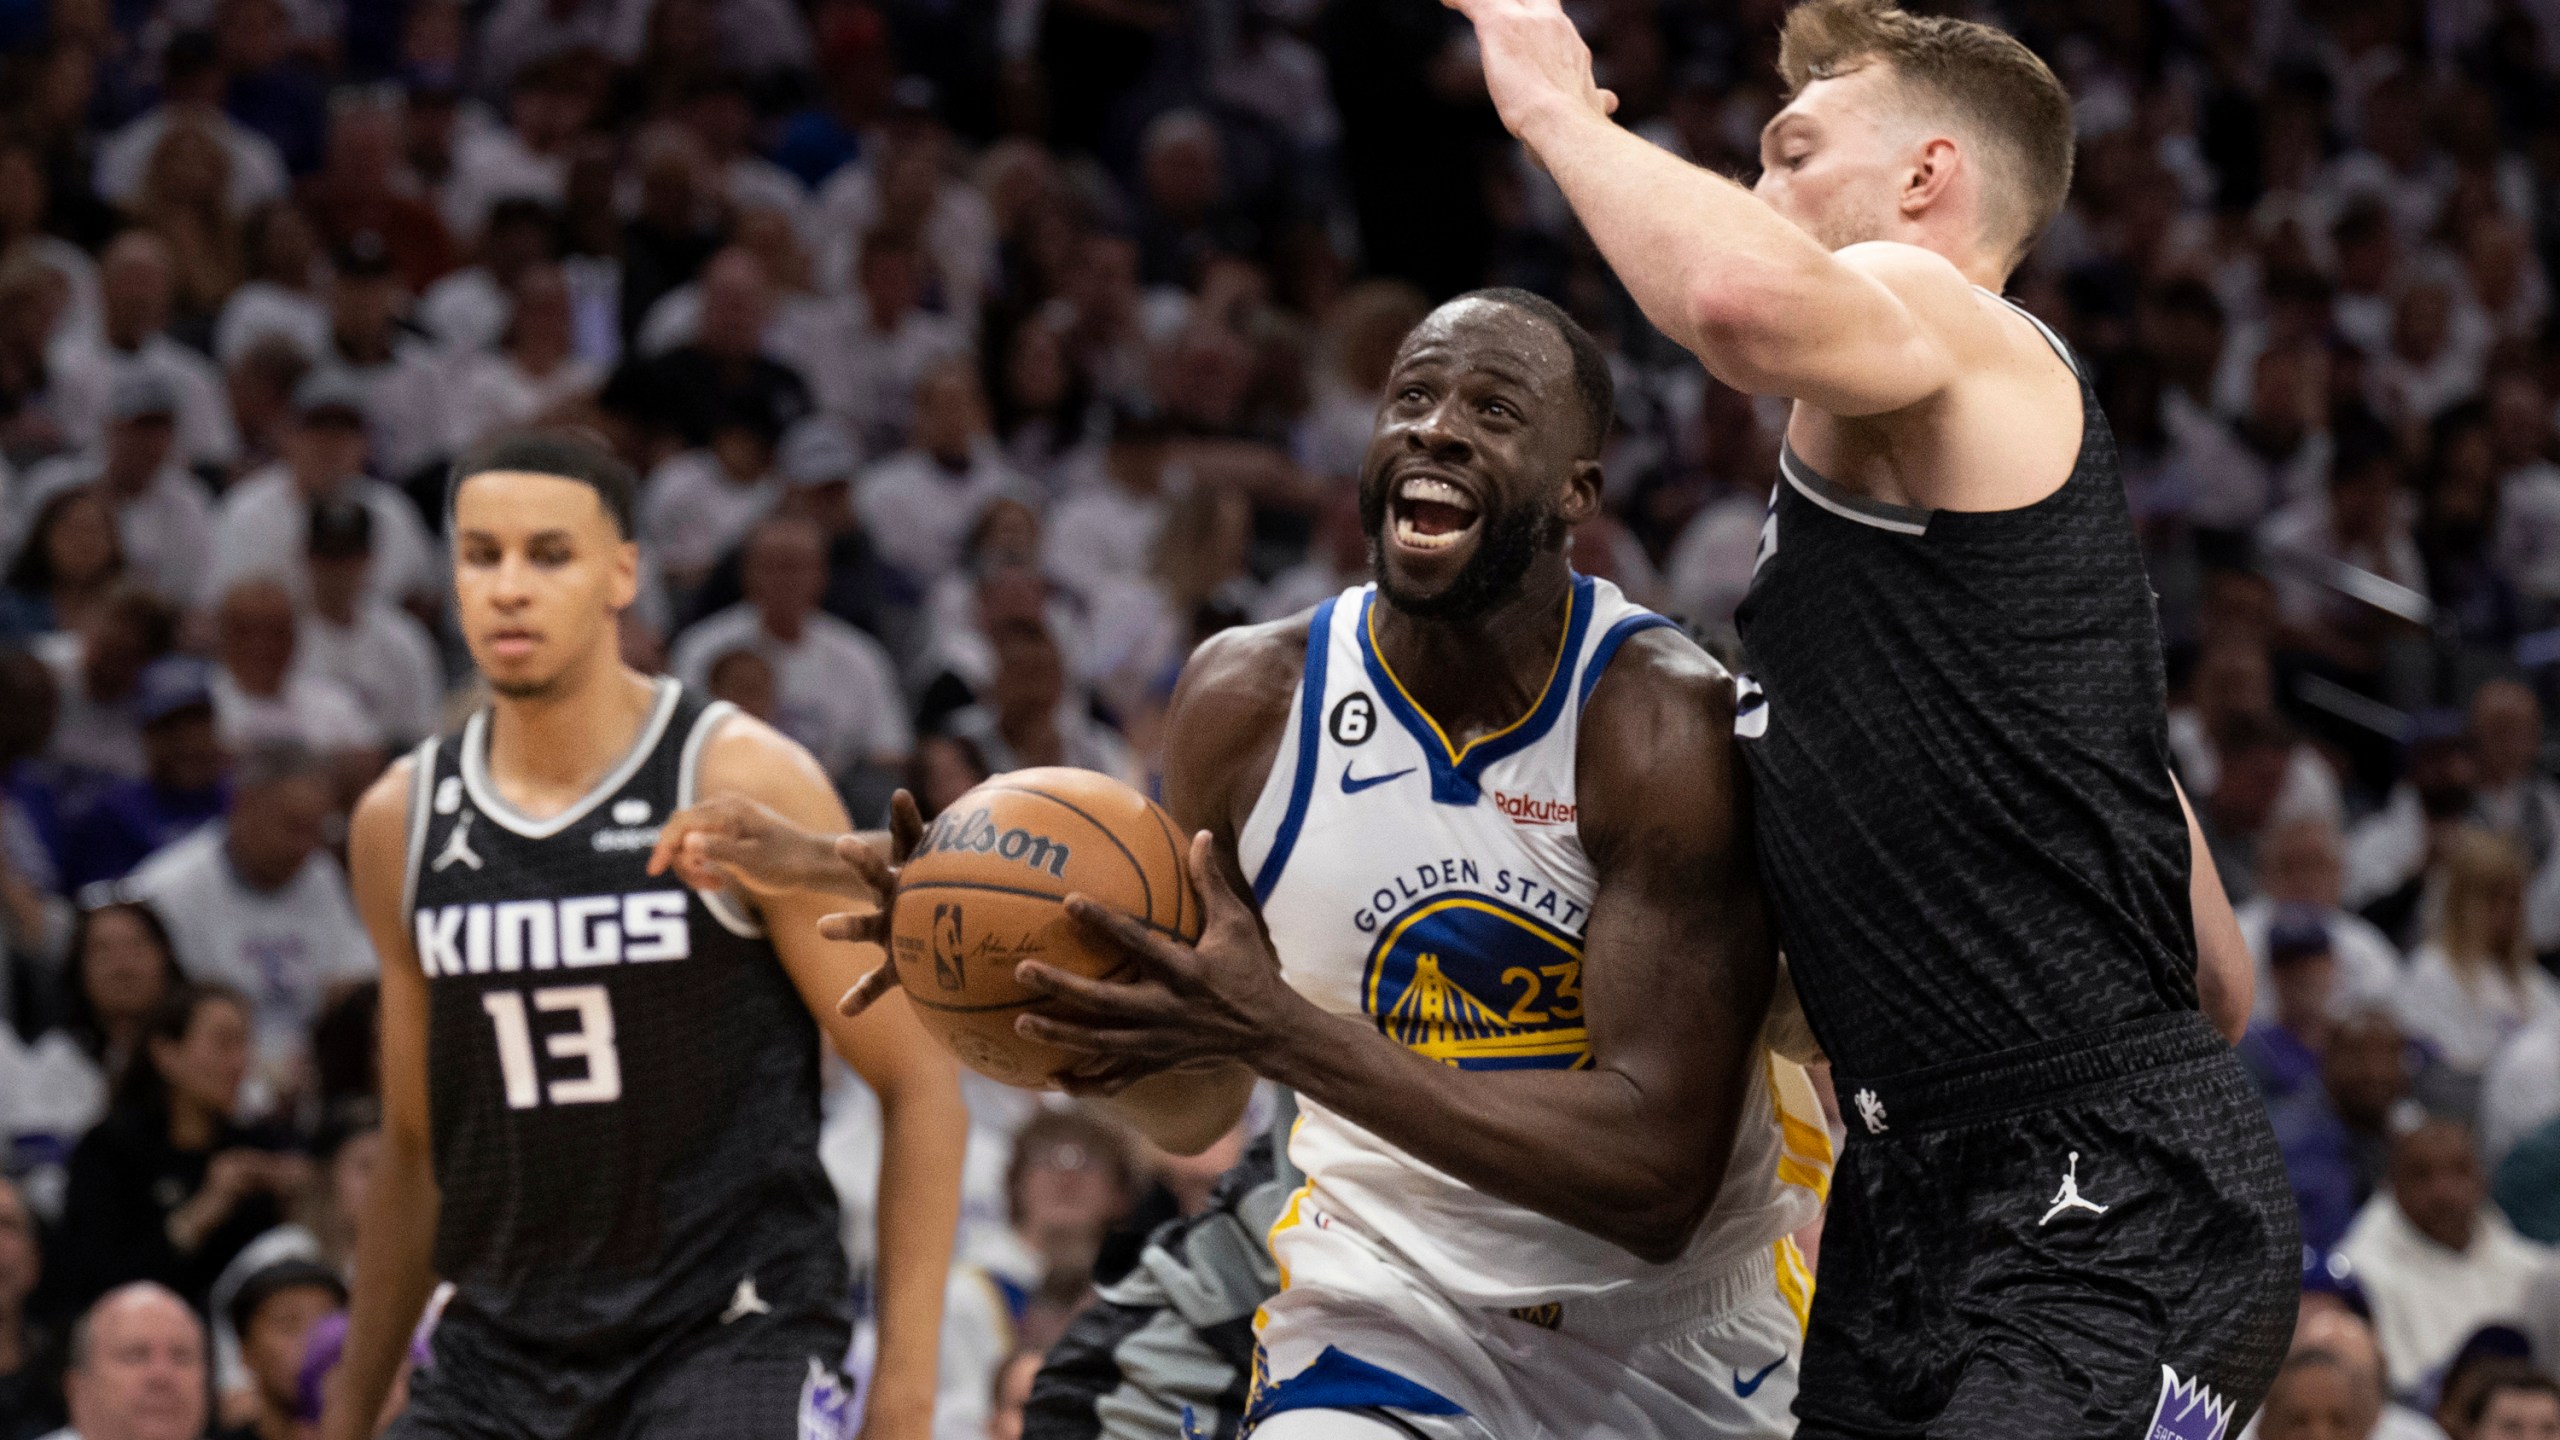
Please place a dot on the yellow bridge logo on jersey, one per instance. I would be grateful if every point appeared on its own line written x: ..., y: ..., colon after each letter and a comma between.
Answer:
x: 1472, y: 982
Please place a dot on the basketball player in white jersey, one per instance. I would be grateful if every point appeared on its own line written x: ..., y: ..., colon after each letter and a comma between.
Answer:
x: 1515, y: 965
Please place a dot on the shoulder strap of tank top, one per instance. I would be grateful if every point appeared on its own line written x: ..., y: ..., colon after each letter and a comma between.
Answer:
x: 2052, y: 339
x: 422, y: 786
x: 725, y: 906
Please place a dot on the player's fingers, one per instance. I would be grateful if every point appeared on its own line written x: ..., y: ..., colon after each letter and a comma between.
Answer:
x: 1608, y: 102
x: 906, y: 826
x: 1086, y: 1039
x: 866, y: 862
x: 1219, y: 902
x: 680, y: 827
x: 1148, y: 947
x: 867, y: 990
x: 858, y: 927
x: 1100, y: 1081
x: 1099, y: 999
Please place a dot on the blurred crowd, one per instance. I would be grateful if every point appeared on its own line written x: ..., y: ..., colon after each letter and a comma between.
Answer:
x: 982, y: 356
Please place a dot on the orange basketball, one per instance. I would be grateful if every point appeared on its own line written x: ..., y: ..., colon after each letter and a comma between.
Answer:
x: 986, y: 889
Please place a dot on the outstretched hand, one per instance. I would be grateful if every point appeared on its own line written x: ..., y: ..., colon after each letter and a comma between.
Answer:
x: 871, y: 927
x: 722, y: 841
x: 1535, y: 63
x: 1191, y: 1005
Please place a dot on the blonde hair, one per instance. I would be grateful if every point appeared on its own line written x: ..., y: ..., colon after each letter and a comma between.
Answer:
x: 1977, y: 75
x: 2468, y: 930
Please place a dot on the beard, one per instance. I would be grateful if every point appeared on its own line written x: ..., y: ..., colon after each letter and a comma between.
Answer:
x: 1506, y: 541
x: 526, y: 689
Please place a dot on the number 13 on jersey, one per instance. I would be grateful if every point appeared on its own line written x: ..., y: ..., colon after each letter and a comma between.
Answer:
x: 599, y: 1078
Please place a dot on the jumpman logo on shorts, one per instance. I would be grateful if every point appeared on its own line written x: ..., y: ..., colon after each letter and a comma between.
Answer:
x: 1871, y: 1110
x: 457, y: 846
x: 2069, y: 1198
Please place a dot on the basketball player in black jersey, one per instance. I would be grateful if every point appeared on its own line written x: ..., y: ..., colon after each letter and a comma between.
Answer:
x: 2061, y: 1212
x: 600, y: 1088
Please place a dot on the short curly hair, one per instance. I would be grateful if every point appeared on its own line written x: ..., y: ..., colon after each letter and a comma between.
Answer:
x: 1977, y: 76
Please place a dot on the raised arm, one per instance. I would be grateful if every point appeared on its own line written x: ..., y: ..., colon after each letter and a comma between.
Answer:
x: 1677, y: 976
x: 925, y: 1123
x: 1769, y: 309
x: 396, y: 1243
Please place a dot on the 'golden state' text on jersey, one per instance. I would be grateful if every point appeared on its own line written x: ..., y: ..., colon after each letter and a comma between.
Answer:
x: 1441, y: 891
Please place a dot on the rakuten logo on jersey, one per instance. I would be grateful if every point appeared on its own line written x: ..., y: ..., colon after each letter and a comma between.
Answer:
x: 573, y: 934
x: 1528, y: 810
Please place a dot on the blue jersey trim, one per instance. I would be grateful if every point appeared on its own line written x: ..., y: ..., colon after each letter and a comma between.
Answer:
x: 1342, y: 1382
x: 1607, y: 650
x: 1456, y: 770
x: 1310, y: 740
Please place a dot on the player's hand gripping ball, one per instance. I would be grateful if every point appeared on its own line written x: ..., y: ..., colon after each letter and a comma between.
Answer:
x: 986, y: 889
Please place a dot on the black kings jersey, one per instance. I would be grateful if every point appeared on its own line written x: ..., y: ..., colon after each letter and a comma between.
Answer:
x: 1956, y: 726
x: 623, y: 1084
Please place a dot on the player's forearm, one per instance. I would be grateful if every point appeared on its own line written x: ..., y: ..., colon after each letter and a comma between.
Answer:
x: 925, y: 1135
x: 2226, y: 974
x: 395, y: 1275
x: 1712, y: 265
x: 1588, y: 1148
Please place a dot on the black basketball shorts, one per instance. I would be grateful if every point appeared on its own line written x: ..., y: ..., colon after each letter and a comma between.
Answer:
x: 2091, y: 1239
x: 755, y: 1372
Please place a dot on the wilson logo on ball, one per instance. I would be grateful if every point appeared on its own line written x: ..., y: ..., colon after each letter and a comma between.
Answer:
x: 974, y: 833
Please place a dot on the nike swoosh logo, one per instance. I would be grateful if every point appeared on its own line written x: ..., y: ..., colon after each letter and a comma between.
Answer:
x: 1354, y: 784
x: 1746, y: 1388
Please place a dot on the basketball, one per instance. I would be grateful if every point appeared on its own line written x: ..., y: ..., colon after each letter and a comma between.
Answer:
x: 986, y: 889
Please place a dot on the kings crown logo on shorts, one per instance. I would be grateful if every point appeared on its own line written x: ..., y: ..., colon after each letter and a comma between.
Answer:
x: 975, y: 832
x: 2188, y: 1410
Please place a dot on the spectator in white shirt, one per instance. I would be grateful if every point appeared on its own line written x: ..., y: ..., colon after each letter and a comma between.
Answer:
x: 137, y: 287
x: 2361, y: 523
x: 865, y: 355
x: 261, y: 904
x: 1030, y: 716
x: 98, y: 673
x: 2299, y: 864
x: 700, y: 504
x: 2234, y: 677
x: 534, y: 372
x: 2435, y: 1258
x: 378, y: 651
x: 260, y: 696
x: 2474, y: 983
x: 1104, y: 529
x: 549, y: 104
x: 834, y: 688
x: 2520, y: 1093
x: 163, y: 513
x: 284, y: 294
x: 467, y: 310
x: 919, y: 503
x: 191, y: 82
x: 259, y: 528
x: 2528, y: 539
x: 2515, y: 799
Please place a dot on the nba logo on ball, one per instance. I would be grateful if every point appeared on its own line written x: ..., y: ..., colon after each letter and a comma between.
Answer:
x: 2188, y: 1410
x: 948, y: 971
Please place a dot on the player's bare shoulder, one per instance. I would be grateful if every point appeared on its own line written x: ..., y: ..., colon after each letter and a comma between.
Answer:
x: 1229, y: 712
x: 378, y: 828
x: 745, y: 756
x: 1657, y: 743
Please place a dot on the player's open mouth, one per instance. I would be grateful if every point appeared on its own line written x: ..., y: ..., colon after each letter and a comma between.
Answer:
x: 1429, y: 513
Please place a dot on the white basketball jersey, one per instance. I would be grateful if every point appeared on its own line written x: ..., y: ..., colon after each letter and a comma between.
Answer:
x: 1441, y: 891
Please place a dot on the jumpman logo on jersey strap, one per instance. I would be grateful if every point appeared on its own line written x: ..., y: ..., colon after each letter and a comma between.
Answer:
x: 1871, y: 1110
x: 2068, y: 1197
x: 457, y: 846
x: 1354, y: 784
x: 745, y: 1303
